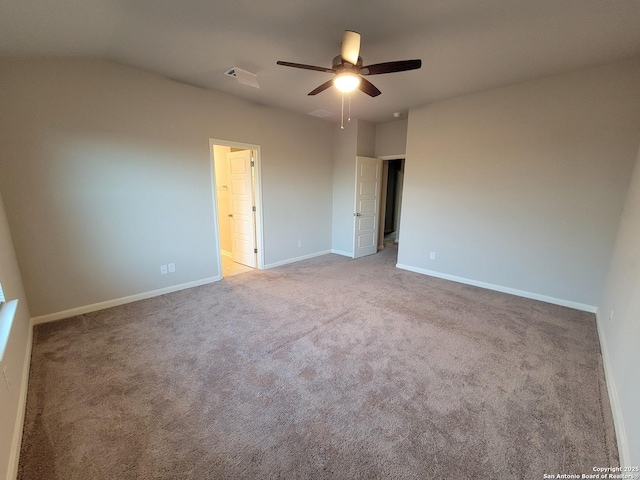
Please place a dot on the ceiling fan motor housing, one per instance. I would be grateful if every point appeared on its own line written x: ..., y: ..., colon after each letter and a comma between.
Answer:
x: 339, y: 65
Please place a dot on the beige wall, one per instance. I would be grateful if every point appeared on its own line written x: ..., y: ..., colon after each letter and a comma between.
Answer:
x: 366, y: 146
x: 522, y: 187
x: 107, y: 176
x: 620, y: 336
x: 391, y: 138
x: 11, y: 406
x: 224, y: 196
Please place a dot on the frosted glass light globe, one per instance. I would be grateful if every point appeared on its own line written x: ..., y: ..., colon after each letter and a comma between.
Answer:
x: 346, y: 82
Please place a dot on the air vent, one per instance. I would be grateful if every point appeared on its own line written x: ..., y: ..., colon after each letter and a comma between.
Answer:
x: 231, y: 72
x: 244, y: 77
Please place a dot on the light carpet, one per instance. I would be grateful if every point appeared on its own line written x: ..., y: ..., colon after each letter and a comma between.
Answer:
x: 326, y: 368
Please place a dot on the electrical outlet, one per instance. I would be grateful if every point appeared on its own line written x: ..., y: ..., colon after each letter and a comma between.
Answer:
x: 432, y: 256
x: 611, y: 316
x: 6, y: 376
x: 299, y: 243
x: 172, y: 268
x: 163, y: 269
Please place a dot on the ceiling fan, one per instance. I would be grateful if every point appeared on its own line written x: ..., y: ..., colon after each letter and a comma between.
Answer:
x: 349, y: 71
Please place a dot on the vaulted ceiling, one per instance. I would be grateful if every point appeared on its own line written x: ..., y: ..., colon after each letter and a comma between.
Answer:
x: 465, y: 45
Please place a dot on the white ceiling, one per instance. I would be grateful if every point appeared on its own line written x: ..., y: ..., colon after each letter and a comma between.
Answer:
x: 465, y: 45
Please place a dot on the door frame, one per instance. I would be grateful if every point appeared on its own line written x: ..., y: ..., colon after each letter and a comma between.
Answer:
x: 257, y: 185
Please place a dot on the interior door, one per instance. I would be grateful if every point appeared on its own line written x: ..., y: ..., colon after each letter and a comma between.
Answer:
x: 366, y: 206
x: 242, y: 205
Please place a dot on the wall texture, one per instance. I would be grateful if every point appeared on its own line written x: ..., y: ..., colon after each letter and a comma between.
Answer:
x: 391, y: 138
x: 106, y: 176
x: 11, y: 399
x: 522, y: 187
x: 366, y: 145
x: 619, y: 337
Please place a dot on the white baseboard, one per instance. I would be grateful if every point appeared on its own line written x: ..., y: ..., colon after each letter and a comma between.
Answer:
x: 226, y: 254
x: 614, y: 399
x: 340, y: 252
x: 16, y: 442
x: 499, y: 288
x: 296, y: 259
x: 120, y: 301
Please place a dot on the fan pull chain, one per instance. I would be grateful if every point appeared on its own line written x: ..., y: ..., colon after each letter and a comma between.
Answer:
x: 349, y: 119
x: 342, y: 114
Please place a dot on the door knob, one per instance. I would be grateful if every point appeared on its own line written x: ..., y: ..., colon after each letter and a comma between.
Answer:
x: 230, y: 215
x: 356, y: 214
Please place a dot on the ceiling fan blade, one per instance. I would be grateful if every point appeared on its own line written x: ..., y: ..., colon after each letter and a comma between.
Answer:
x: 305, y: 67
x: 391, y: 67
x: 369, y: 88
x: 350, y: 47
x: 321, y: 88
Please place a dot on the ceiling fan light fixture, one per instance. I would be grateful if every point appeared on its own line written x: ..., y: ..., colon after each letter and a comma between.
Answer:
x: 346, y: 82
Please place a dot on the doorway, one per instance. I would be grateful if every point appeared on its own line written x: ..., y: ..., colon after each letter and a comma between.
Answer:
x: 391, y: 202
x: 235, y: 173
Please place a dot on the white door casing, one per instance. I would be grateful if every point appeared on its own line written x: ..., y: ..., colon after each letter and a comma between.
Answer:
x: 367, y: 203
x: 242, y: 204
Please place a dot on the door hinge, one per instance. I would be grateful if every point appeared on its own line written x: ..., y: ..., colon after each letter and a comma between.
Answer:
x: 253, y: 208
x: 253, y: 163
x: 255, y: 250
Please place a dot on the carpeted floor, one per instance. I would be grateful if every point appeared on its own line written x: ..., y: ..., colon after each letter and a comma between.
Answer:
x: 327, y: 368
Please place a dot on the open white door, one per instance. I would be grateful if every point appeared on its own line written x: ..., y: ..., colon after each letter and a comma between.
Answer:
x: 242, y: 208
x: 366, y: 206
